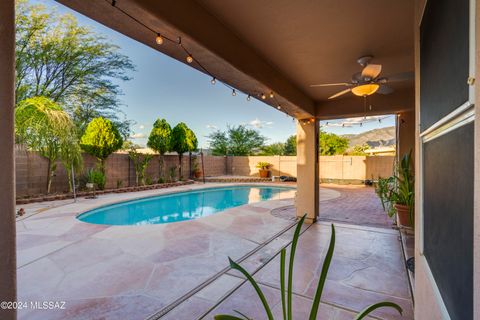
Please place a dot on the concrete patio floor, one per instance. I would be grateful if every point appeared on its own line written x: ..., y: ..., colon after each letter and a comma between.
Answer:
x: 180, y: 270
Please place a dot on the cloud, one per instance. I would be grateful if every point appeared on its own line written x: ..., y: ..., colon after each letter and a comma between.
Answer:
x: 211, y: 126
x: 141, y: 126
x: 138, y: 136
x: 259, y: 124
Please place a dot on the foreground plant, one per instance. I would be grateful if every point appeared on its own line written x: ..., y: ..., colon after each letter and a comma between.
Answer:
x: 287, y: 303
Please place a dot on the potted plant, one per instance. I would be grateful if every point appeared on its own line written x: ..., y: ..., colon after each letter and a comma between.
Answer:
x: 197, y: 173
x: 263, y: 169
x: 397, y: 193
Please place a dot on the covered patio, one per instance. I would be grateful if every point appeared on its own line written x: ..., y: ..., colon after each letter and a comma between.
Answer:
x: 274, y: 51
x: 180, y: 270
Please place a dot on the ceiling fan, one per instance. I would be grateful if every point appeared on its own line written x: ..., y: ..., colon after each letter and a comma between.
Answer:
x: 367, y: 82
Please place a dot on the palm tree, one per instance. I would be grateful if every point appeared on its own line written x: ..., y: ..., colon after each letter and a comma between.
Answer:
x: 43, y: 126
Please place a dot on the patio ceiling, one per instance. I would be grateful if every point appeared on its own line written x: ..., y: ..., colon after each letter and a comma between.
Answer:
x: 279, y: 45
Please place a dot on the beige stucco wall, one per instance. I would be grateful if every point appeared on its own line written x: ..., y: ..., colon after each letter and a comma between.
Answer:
x: 331, y: 167
x: 31, y: 169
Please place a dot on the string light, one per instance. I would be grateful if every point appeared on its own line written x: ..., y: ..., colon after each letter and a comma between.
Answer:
x: 159, y: 39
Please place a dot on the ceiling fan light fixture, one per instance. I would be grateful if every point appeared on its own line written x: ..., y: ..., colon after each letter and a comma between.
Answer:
x: 365, y: 89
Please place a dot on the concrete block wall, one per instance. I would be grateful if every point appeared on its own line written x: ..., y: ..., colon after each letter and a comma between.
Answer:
x: 31, y: 169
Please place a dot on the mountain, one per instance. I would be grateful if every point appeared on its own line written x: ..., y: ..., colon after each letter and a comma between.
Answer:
x: 375, y: 138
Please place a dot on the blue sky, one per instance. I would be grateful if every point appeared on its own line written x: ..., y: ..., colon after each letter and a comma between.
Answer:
x: 165, y: 88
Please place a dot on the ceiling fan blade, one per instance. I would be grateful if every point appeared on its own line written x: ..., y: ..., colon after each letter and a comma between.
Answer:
x: 338, y: 94
x: 371, y: 71
x: 404, y: 76
x: 357, y: 77
x: 330, y: 84
x: 384, y: 89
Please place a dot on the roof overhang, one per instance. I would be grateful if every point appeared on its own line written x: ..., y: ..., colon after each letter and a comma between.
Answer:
x: 277, y: 46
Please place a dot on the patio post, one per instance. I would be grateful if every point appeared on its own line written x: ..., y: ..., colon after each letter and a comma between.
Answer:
x: 7, y: 157
x: 307, y: 199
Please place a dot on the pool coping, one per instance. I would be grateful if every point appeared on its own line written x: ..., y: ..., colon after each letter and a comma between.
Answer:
x: 138, y: 195
x: 173, y: 192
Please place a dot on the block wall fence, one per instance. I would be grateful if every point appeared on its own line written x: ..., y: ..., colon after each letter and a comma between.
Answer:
x: 31, y: 169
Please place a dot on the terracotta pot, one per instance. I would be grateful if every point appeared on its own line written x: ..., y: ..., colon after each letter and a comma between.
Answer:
x: 403, y: 215
x: 197, y: 174
x: 263, y: 173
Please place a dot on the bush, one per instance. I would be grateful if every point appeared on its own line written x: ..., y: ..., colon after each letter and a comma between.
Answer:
x: 97, y: 177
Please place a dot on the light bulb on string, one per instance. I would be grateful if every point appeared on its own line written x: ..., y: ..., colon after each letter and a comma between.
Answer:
x: 248, y: 98
x: 234, y: 93
x: 279, y: 107
x: 271, y: 95
x: 264, y: 96
x: 159, y: 39
x: 213, y: 81
x: 189, y: 58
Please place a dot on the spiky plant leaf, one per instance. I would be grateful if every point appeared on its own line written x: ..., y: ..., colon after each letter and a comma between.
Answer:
x: 226, y: 317
x: 283, y: 255
x: 323, y: 276
x: 293, y: 248
x: 260, y: 294
x: 243, y: 315
x: 365, y: 312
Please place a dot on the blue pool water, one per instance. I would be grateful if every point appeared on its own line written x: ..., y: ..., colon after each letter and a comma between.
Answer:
x: 182, y: 206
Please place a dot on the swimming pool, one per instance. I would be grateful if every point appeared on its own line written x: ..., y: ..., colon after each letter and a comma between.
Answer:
x: 182, y: 206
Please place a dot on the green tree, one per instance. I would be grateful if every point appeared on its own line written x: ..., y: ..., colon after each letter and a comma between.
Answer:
x: 332, y: 144
x: 218, y: 143
x: 70, y: 64
x: 274, y: 149
x: 291, y: 146
x: 359, y: 150
x: 71, y: 157
x: 160, y: 140
x: 237, y: 141
x: 42, y: 125
x: 183, y: 140
x: 101, y: 139
x: 140, y: 163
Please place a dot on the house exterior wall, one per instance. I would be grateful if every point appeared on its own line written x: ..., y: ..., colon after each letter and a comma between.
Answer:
x: 8, y: 278
x: 430, y: 297
x: 406, y: 133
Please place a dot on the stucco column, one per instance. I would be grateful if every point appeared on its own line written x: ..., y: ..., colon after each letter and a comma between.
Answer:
x: 307, y: 200
x: 406, y: 134
x: 7, y: 157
